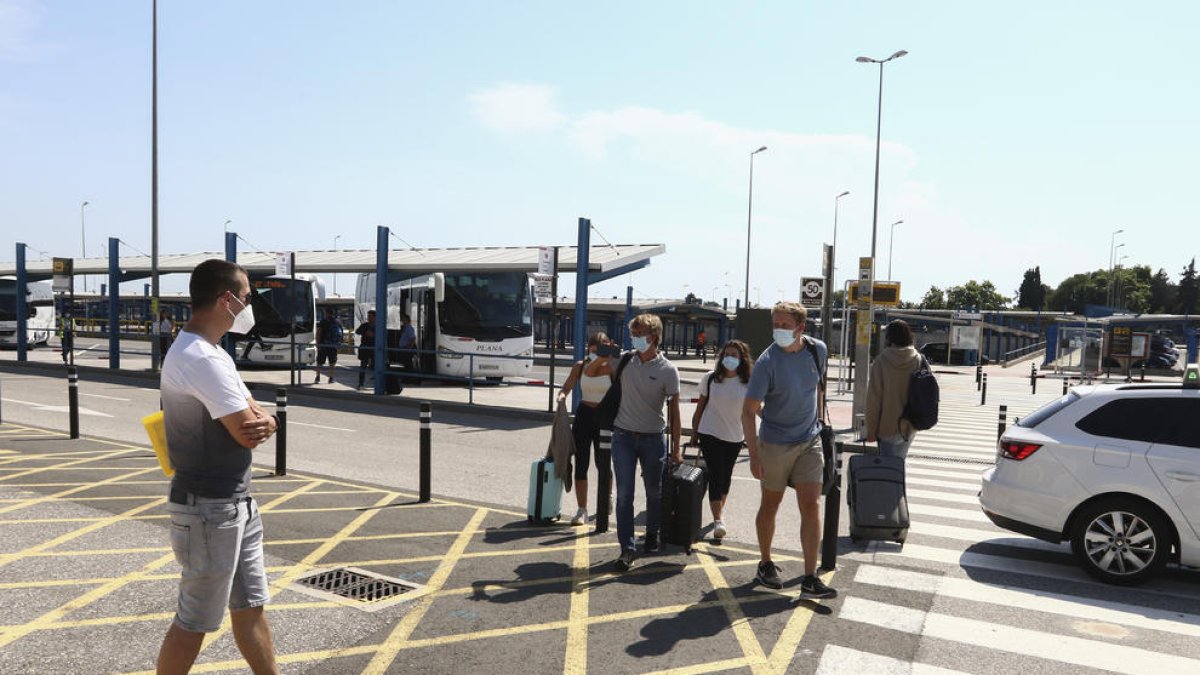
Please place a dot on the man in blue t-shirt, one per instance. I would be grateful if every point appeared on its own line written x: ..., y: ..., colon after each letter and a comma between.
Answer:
x: 786, y: 450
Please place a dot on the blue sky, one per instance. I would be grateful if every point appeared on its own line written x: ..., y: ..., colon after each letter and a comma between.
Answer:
x: 1013, y: 135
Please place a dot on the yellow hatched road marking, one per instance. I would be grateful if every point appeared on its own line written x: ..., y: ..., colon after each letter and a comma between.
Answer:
x: 789, y: 639
x: 576, y: 659
x: 30, y: 472
x: 403, y: 631
x: 742, y: 630
x: 75, y: 534
x: 710, y: 667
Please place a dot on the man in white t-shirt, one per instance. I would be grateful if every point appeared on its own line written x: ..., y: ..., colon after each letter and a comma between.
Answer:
x: 212, y: 424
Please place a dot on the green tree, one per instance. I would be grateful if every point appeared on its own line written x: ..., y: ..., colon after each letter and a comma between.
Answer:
x: 1162, y: 293
x: 934, y: 299
x: 1032, y: 294
x: 1186, y: 303
x: 1078, y: 291
x: 981, y: 296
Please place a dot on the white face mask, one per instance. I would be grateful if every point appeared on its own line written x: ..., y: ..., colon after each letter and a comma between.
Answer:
x: 731, y: 362
x: 640, y: 343
x: 591, y: 356
x: 784, y: 337
x: 243, y: 321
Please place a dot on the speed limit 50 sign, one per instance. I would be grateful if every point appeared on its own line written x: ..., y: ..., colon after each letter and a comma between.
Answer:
x: 812, y: 291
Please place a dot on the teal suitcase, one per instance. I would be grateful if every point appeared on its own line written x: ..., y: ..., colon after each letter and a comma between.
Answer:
x: 545, y: 492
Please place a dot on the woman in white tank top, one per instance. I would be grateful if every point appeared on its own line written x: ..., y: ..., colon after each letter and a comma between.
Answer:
x: 594, y: 375
x: 717, y: 424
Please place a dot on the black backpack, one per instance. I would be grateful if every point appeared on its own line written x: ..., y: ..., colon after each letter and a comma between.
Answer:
x: 921, y: 410
x: 335, y: 333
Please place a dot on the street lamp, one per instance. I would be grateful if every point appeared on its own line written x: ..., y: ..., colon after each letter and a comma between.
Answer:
x: 226, y: 225
x: 749, y: 210
x: 1112, y: 252
x: 335, y: 248
x: 891, y: 239
x: 83, y: 238
x: 1118, y: 298
x: 862, y: 354
x: 836, y: 200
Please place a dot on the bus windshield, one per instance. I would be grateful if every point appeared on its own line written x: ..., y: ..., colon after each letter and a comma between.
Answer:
x: 491, y: 306
x: 8, y: 300
x: 272, y: 304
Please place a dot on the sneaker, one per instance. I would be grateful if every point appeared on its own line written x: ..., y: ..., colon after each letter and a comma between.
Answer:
x: 719, y: 531
x: 812, y: 587
x: 626, y: 560
x: 768, y: 575
x: 318, y: 380
x: 651, y: 545
x: 580, y: 517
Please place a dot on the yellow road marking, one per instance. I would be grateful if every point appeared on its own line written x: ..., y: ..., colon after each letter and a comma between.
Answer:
x: 7, y: 558
x: 710, y: 667
x: 742, y: 630
x: 403, y: 631
x: 789, y: 639
x: 575, y: 662
x: 30, y: 472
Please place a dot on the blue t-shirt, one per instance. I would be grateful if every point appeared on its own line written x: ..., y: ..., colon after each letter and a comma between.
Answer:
x: 787, y: 383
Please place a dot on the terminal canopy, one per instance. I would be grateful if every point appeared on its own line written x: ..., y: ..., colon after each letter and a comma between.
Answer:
x: 603, y: 261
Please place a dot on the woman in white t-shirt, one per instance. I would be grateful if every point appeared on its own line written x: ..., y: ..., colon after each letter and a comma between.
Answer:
x: 717, y: 423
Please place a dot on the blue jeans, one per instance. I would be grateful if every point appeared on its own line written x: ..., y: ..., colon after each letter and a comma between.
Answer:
x: 629, y: 448
x: 894, y: 446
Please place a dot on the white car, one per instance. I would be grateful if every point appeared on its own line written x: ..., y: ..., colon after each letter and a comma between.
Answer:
x: 1115, y: 469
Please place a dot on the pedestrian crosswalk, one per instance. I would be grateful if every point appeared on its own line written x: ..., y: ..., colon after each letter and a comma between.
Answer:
x: 964, y: 596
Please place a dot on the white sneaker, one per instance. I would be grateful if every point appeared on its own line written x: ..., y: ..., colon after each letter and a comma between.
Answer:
x: 581, y: 517
x: 719, y: 529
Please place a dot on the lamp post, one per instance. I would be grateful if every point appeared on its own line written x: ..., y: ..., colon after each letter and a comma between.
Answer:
x: 862, y: 352
x: 335, y: 248
x: 1112, y: 252
x: 749, y: 210
x: 226, y: 225
x: 836, y: 201
x: 891, y: 239
x: 1119, y: 299
x: 83, y: 238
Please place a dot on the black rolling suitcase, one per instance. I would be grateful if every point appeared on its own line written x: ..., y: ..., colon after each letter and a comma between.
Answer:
x: 877, y: 500
x: 682, y: 505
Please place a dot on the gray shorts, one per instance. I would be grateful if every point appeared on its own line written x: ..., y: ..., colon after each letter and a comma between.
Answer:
x: 219, y: 545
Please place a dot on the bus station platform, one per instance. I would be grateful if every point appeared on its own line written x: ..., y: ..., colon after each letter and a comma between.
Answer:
x: 88, y: 580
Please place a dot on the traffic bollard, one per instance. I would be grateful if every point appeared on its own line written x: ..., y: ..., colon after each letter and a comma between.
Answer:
x: 833, y: 510
x: 604, y: 484
x: 1143, y: 371
x: 426, y: 440
x: 73, y: 399
x: 978, y: 375
x: 281, y: 432
x: 983, y: 390
x: 1003, y: 421
x: 1066, y: 383
x: 1033, y: 378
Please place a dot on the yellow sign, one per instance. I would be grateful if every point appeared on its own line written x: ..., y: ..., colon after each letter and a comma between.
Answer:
x: 886, y: 293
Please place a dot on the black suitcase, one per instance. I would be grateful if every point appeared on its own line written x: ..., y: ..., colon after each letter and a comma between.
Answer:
x: 877, y: 500
x: 682, y: 505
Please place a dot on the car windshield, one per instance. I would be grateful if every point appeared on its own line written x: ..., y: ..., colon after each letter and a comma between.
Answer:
x: 491, y: 306
x: 1049, y: 410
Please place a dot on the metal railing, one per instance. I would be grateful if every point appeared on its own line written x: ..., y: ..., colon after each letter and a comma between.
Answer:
x: 1021, y: 352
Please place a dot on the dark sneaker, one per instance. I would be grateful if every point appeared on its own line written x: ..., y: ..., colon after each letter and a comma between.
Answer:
x: 626, y: 560
x: 813, y: 587
x: 651, y: 544
x: 768, y: 575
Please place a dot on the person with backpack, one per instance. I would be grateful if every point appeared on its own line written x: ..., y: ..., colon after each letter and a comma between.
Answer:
x: 329, y: 338
x: 366, y: 347
x: 785, y: 448
x: 594, y: 375
x: 717, y: 424
x: 888, y: 392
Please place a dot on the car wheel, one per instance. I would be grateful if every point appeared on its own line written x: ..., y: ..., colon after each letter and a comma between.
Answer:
x: 1121, y: 541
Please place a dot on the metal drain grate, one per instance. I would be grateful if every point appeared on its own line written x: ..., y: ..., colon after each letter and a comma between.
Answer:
x: 357, y: 585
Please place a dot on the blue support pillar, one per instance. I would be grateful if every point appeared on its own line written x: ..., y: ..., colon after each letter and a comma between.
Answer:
x: 626, y: 343
x: 612, y: 327
x: 582, y: 261
x: 22, y: 311
x: 1051, y: 344
x: 1192, y: 338
x: 231, y: 256
x: 381, y: 307
x: 114, y: 304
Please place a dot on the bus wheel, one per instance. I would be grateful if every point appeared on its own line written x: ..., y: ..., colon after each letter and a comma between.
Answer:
x: 495, y: 380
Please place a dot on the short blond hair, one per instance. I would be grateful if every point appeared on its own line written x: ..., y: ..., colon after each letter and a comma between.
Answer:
x: 794, y: 309
x: 649, y: 322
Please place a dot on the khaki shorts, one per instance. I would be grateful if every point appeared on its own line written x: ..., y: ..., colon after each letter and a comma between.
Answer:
x: 791, y: 464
